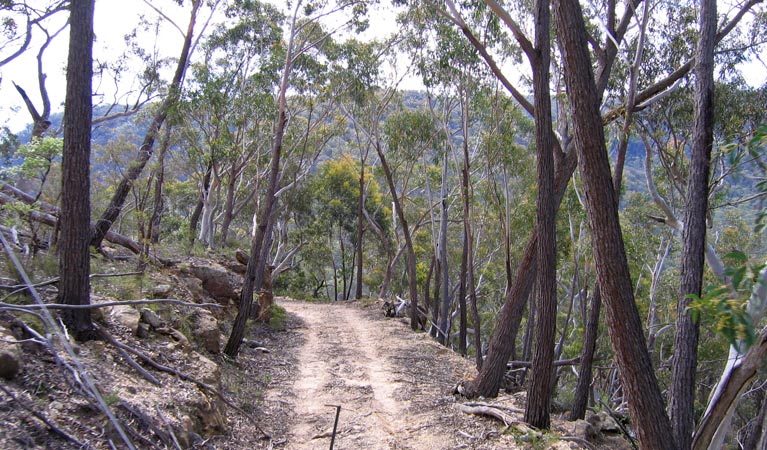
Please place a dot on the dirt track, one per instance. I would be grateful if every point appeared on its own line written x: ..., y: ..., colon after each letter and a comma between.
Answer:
x: 371, y: 368
x: 394, y: 386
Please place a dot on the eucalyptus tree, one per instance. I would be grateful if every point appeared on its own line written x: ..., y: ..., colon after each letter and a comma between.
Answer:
x: 74, y: 257
x: 685, y: 359
x: 356, y: 71
x: 305, y: 39
x: 336, y: 200
x: 45, y: 20
x: 111, y: 213
x: 406, y: 135
x: 230, y: 107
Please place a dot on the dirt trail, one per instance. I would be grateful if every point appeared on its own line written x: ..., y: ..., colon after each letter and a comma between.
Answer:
x: 370, y: 367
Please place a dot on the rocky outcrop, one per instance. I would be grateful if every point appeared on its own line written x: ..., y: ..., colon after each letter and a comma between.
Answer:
x: 127, y: 316
x: 217, y: 281
x: 206, y: 332
x: 10, y: 357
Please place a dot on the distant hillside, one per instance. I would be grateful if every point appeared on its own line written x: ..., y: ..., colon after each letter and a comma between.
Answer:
x: 132, y: 126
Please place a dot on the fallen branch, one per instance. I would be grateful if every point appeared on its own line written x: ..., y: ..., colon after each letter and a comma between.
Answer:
x: 145, y: 422
x: 52, y: 220
x: 501, y: 407
x: 171, y: 301
x: 486, y: 411
x: 579, y: 441
x: 186, y: 377
x: 168, y: 428
x: 558, y: 363
x: 151, y: 378
x: 58, y: 431
x: 22, y: 287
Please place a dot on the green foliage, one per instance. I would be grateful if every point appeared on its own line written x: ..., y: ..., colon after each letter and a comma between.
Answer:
x: 9, y: 143
x: 37, y: 155
x: 724, y: 304
x: 278, y: 317
x: 756, y: 148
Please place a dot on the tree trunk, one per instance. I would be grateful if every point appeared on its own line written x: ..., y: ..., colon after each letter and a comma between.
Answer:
x: 467, y: 262
x: 462, y: 295
x: 527, y: 338
x: 208, y: 208
x: 728, y: 392
x: 343, y: 262
x: 360, y: 230
x: 755, y: 434
x: 434, y: 330
x: 583, y: 388
x: 194, y: 220
x: 442, y: 250
x: 427, y: 286
x: 537, y: 410
x: 409, y: 251
x: 159, y: 206
x: 637, y: 375
x: 74, y: 255
x: 145, y: 151
x: 685, y: 360
x: 254, y: 273
x: 231, y: 188
x: 501, y: 343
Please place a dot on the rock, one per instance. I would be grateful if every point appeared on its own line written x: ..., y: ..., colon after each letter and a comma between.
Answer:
x: 142, y: 331
x: 194, y: 285
x: 241, y: 256
x: 220, y: 283
x: 177, y: 336
x: 586, y: 430
x: 207, y: 332
x: 126, y: 315
x: 162, y: 291
x: 607, y: 424
x: 206, y: 370
x: 211, y: 416
x: 10, y: 357
x: 10, y: 366
x: 151, y: 318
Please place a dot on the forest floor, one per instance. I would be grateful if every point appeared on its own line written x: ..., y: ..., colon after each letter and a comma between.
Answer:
x: 394, y: 386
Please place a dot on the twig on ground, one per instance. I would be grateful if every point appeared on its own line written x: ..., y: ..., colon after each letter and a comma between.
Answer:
x: 579, y: 441
x: 58, y: 431
x: 187, y: 377
x: 168, y: 428
x: 142, y: 301
x: 485, y: 410
x: 151, y: 378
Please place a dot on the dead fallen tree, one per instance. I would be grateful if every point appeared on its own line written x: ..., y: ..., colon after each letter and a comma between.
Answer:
x: 49, y: 215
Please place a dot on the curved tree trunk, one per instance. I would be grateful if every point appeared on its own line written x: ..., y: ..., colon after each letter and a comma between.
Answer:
x: 411, y: 271
x: 501, y: 343
x: 637, y: 375
x: 145, y: 150
x: 537, y: 410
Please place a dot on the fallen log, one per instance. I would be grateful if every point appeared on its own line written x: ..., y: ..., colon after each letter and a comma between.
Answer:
x: 49, y: 216
x: 486, y: 411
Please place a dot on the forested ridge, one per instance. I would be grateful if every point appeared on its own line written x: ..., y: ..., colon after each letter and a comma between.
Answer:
x: 572, y: 201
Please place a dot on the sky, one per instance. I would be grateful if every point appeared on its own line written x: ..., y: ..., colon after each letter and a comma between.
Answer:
x: 116, y: 18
